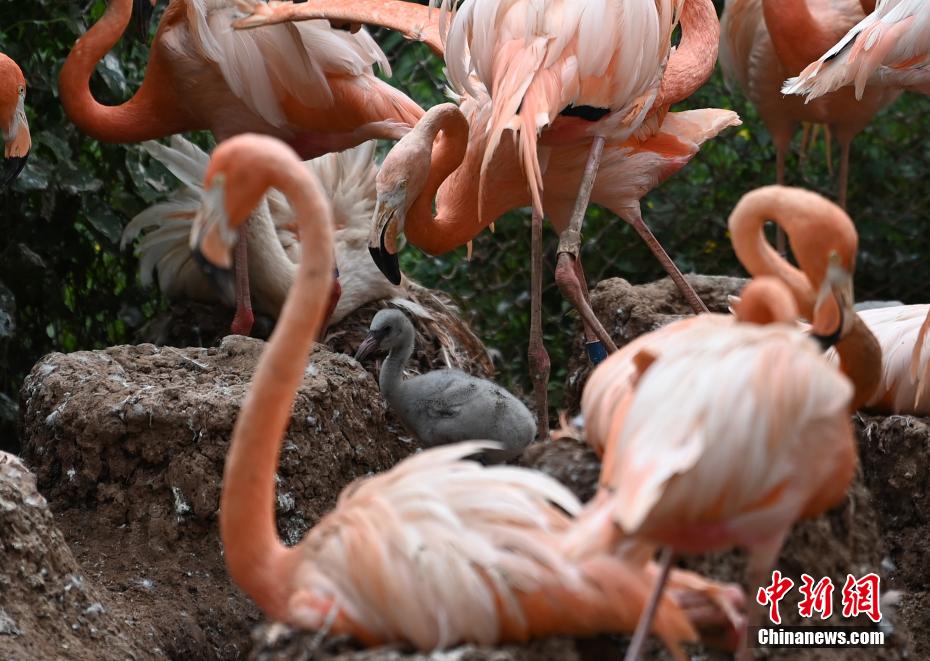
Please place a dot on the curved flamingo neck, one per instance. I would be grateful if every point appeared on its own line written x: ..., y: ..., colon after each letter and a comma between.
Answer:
x: 757, y: 256
x: 797, y: 35
x: 153, y: 112
x: 693, y: 61
x: 446, y: 128
x: 255, y: 556
x: 861, y: 360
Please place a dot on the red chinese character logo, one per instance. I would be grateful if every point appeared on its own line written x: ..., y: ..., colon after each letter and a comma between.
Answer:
x: 774, y: 593
x: 861, y: 597
x: 817, y: 597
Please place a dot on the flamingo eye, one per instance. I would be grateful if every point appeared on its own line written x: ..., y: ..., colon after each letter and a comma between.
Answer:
x: 22, y: 90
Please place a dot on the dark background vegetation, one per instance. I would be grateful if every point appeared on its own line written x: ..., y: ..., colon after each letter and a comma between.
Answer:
x: 66, y: 285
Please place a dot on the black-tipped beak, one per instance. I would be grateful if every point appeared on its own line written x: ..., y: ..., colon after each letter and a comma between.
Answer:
x: 11, y: 168
x: 222, y: 279
x: 370, y: 344
x: 828, y: 341
x: 142, y: 11
x: 386, y: 262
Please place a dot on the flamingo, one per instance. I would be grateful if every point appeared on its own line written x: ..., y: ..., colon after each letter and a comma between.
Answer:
x: 888, y: 48
x: 732, y: 431
x: 349, y: 180
x: 464, y: 148
x: 903, y: 332
x: 310, y: 85
x: 763, y: 42
x: 13, y: 125
x: 437, y: 550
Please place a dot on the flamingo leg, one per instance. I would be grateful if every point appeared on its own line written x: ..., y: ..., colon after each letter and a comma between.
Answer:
x: 762, y: 560
x: 634, y: 217
x: 644, y: 625
x: 781, y: 152
x: 566, y: 270
x: 242, y: 322
x: 844, y: 170
x: 536, y: 352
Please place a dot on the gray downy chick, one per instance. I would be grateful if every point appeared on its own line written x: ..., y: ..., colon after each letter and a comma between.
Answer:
x: 444, y: 406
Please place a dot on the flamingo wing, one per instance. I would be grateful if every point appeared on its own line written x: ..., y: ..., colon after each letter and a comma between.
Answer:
x: 415, y: 22
x: 890, y: 46
x: 731, y: 408
x: 439, y: 550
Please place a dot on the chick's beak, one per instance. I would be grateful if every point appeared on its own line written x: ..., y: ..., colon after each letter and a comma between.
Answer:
x: 382, y: 242
x: 370, y: 344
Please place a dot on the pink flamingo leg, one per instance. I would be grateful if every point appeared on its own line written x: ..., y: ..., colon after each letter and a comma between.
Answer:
x: 536, y: 352
x: 634, y: 218
x: 566, y: 272
x: 242, y: 322
x: 645, y: 620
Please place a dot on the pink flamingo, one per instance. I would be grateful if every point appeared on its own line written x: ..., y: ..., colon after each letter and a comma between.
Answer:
x: 801, y: 397
x: 888, y: 48
x: 434, y: 552
x: 730, y: 434
x: 463, y: 145
x: 763, y: 42
x: 310, y: 85
x: 13, y: 125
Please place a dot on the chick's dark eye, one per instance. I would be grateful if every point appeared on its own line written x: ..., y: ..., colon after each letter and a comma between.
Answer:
x: 387, y: 329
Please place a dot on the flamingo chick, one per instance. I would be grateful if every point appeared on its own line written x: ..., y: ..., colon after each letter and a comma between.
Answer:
x: 730, y: 434
x: 444, y: 406
x: 434, y: 552
x: 13, y: 125
x: 888, y: 48
x: 602, y: 99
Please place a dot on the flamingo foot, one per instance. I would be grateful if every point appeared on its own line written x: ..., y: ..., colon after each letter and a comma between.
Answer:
x: 572, y: 288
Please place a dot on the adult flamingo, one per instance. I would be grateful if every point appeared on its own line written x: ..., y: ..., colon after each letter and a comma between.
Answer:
x: 763, y: 42
x: 349, y: 180
x: 311, y: 85
x: 13, y: 125
x: 410, y: 555
x: 463, y: 145
x: 768, y: 440
x: 888, y: 48
x: 823, y: 238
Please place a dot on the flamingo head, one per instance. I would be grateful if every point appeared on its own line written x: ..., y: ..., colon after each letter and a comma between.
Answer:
x: 401, y: 181
x: 14, y: 128
x: 834, y: 312
x: 233, y: 186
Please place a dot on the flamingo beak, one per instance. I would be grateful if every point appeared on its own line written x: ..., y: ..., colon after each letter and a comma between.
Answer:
x: 833, y: 309
x: 212, y: 240
x: 11, y: 168
x: 142, y: 11
x: 370, y: 344
x: 389, y: 220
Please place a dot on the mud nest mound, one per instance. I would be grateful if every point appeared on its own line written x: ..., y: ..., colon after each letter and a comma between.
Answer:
x: 129, y: 443
x: 48, y: 609
x: 627, y: 311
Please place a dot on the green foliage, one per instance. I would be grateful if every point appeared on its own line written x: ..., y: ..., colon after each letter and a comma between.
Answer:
x: 75, y: 289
